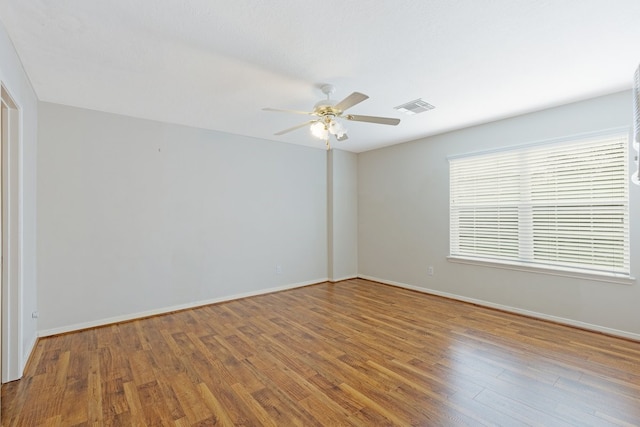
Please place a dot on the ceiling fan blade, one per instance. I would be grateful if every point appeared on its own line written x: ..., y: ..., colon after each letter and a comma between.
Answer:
x: 282, y: 132
x: 279, y: 110
x: 344, y: 137
x: 350, y: 101
x: 372, y: 119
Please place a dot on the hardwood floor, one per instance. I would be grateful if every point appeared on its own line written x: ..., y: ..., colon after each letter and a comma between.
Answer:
x: 351, y: 353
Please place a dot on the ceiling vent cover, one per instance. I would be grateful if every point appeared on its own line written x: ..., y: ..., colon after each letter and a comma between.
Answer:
x: 415, y: 107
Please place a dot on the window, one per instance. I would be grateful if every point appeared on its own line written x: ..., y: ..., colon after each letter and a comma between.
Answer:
x: 561, y: 205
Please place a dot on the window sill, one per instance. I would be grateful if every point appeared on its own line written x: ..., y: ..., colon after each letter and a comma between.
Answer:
x: 576, y: 274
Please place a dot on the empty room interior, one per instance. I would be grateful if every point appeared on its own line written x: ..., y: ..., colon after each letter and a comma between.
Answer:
x: 337, y: 213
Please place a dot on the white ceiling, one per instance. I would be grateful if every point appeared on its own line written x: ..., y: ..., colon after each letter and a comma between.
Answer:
x: 215, y: 64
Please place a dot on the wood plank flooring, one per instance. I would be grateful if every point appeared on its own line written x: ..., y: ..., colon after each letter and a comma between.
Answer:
x: 352, y: 353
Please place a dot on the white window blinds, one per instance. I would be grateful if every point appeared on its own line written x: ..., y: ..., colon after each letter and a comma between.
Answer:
x: 561, y: 205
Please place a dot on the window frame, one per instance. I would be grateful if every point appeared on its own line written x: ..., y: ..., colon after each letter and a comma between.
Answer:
x: 538, y: 267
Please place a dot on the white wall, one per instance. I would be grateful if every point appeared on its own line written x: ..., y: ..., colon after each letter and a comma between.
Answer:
x: 342, y: 167
x: 404, y: 225
x: 22, y: 298
x: 136, y: 216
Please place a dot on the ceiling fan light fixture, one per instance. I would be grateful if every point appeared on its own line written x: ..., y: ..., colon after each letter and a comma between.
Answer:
x: 336, y: 128
x: 319, y: 130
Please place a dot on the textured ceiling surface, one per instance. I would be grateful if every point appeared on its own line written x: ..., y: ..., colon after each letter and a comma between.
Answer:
x: 216, y: 64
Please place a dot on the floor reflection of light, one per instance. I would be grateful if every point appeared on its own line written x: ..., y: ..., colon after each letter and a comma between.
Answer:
x: 491, y: 374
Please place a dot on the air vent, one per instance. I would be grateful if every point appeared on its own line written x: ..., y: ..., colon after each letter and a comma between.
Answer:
x: 415, y: 107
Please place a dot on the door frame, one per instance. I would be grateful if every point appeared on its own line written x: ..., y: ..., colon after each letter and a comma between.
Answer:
x: 11, y: 303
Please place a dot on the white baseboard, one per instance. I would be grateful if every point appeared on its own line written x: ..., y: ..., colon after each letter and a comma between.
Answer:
x: 535, y: 314
x: 164, y: 310
x: 340, y: 279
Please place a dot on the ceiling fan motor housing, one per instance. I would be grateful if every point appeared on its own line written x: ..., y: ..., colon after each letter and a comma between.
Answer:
x: 323, y: 108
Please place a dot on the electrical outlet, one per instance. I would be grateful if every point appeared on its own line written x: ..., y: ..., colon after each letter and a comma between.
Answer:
x: 430, y: 270
x: 35, y: 315
x: 278, y: 269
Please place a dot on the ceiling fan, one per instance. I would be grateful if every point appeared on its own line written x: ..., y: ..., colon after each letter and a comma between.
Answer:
x: 328, y: 113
